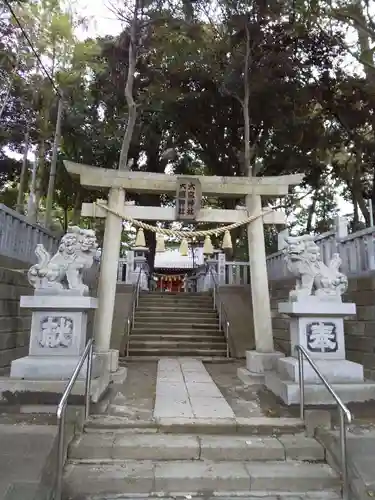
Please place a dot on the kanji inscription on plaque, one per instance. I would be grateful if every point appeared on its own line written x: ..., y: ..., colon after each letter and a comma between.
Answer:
x: 321, y: 337
x: 188, y: 198
x: 56, y: 331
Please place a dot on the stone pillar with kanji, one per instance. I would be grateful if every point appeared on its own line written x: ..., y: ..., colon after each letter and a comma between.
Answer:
x: 317, y: 314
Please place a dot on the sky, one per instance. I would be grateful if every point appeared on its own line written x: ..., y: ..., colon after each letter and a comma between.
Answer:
x: 102, y: 21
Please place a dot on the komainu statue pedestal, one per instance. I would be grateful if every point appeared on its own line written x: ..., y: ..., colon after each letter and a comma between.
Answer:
x: 58, y: 338
x: 317, y: 315
x: 60, y: 307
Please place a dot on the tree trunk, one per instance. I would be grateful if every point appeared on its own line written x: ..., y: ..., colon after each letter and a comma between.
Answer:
x: 6, y: 97
x: 311, y: 212
x: 150, y: 238
x: 32, y: 211
x: 66, y: 219
x: 355, y: 213
x: 52, y: 175
x: 245, y: 107
x: 366, y: 54
x: 77, y: 207
x: 132, y: 108
x: 39, y: 176
x: 357, y: 193
x: 23, y: 176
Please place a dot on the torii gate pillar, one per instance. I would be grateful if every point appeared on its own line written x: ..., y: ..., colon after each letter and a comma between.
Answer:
x: 264, y: 356
x: 259, y: 279
x: 108, y: 272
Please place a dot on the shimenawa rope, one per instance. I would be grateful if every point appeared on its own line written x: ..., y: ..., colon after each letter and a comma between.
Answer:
x: 184, y: 234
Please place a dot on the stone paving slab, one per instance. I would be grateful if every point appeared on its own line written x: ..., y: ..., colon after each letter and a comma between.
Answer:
x: 185, y: 389
x: 24, y: 454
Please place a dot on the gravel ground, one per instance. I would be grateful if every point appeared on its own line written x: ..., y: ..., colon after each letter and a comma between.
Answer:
x: 245, y: 400
x: 135, y: 398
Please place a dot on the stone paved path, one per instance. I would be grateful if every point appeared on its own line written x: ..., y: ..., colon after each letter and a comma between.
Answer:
x: 185, y: 389
x: 135, y: 398
x: 26, y: 454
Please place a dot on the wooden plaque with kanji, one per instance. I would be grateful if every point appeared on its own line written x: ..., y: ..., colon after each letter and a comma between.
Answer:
x: 188, y: 198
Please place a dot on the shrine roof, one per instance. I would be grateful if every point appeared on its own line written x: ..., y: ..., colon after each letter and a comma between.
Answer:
x: 172, y: 259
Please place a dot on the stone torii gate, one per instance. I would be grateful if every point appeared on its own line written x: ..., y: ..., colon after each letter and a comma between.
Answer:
x: 251, y: 188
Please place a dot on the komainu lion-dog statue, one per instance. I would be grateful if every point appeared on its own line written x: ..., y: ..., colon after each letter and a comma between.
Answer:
x: 314, y: 278
x: 63, y: 271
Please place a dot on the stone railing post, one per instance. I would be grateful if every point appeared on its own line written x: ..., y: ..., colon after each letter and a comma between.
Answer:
x: 212, y: 270
x: 221, y: 268
x: 129, y: 266
x: 140, y: 262
x: 341, y: 227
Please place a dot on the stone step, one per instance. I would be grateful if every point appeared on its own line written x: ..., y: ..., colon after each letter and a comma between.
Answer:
x: 175, y: 323
x: 253, y: 426
x: 173, y: 331
x: 145, y: 320
x: 195, y: 476
x: 172, y: 314
x: 317, y: 394
x: 148, y: 446
x: 174, y: 294
x: 256, y: 495
x: 177, y: 338
x: 205, y: 359
x: 135, y: 344
x: 172, y: 302
x: 181, y: 296
x: 176, y: 352
x: 165, y: 309
x: 206, y: 309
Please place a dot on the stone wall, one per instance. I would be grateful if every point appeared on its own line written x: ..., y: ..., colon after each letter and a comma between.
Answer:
x: 14, y: 321
x: 123, y: 303
x: 237, y: 303
x: 359, y: 330
x: 91, y: 279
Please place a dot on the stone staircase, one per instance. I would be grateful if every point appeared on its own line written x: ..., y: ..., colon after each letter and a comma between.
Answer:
x: 268, y: 458
x: 176, y: 324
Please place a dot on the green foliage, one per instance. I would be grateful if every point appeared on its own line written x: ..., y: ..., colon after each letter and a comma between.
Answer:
x: 307, y: 114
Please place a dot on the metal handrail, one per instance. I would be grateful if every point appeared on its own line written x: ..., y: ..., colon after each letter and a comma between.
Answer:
x: 344, y: 412
x: 61, y: 410
x: 221, y: 310
x: 134, y: 305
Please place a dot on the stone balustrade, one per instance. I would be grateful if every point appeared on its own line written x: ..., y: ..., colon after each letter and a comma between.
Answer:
x: 19, y: 237
x: 357, y: 252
